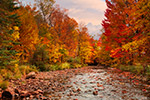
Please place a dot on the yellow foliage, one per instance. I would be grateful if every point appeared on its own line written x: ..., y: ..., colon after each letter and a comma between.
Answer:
x: 77, y: 66
x: 15, y: 34
x: 56, y: 52
x: 24, y: 69
x: 86, y: 51
x: 132, y: 46
x: 16, y: 28
x: 28, y: 33
x: 4, y: 84
x: 65, y: 65
x: 1, y: 78
x: 3, y: 72
x: 7, y: 74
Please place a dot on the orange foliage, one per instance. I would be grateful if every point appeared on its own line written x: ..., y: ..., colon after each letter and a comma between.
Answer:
x: 28, y: 33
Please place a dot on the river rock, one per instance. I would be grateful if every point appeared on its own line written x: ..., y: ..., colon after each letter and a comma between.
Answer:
x: 78, y: 89
x: 74, y: 90
x: 95, y: 92
x: 17, y: 91
x: 31, y: 75
x: 34, y: 92
x: 24, y: 94
x: 16, y: 96
x: 7, y: 95
x: 40, y: 91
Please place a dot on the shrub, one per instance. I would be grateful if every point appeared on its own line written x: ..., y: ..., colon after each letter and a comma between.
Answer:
x: 55, y: 67
x: 74, y: 60
x: 77, y: 66
x: 65, y: 65
x: 40, y: 58
x: 148, y: 71
x: 41, y: 66
x: 25, y: 69
x: 4, y: 84
x: 6, y: 74
x: 132, y: 68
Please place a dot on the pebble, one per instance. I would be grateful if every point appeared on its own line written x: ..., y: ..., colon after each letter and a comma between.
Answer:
x: 78, y: 89
x: 95, y: 92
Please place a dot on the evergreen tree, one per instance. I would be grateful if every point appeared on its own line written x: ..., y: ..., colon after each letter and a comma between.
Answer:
x: 8, y: 25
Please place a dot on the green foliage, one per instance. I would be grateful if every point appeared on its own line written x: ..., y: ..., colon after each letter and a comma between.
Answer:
x: 77, y: 66
x: 4, y: 84
x: 25, y: 69
x: 16, y: 71
x: 148, y: 71
x: 40, y: 58
x: 7, y: 21
x: 137, y: 69
x: 6, y: 74
x: 9, y: 75
x: 8, y: 5
x: 74, y: 60
x: 65, y: 65
x: 55, y: 67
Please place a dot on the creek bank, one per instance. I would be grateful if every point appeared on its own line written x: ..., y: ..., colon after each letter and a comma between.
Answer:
x: 40, y: 85
x: 79, y: 84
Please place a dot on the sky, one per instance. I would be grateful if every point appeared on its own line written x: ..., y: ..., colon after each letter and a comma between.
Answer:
x: 87, y: 12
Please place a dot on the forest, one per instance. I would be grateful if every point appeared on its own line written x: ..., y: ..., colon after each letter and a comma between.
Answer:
x: 44, y: 38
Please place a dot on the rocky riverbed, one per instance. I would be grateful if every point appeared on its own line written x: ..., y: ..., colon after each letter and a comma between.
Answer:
x: 85, y: 83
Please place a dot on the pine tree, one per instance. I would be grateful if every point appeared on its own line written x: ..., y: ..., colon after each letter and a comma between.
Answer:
x: 8, y: 22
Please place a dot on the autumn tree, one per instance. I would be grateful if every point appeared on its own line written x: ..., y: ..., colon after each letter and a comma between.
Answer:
x: 64, y: 29
x: 116, y: 29
x: 126, y: 34
x: 139, y: 24
x: 28, y: 33
x: 45, y: 9
x: 84, y: 48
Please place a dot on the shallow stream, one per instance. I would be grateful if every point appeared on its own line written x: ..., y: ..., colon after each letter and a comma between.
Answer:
x: 100, y: 85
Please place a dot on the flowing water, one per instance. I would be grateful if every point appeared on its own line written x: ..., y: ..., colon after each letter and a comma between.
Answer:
x: 100, y: 85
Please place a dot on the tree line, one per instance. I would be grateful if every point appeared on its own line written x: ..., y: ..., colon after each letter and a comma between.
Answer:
x: 125, y: 41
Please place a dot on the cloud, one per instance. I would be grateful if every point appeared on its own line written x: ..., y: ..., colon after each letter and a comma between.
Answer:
x: 27, y: 1
x: 94, y: 30
x: 89, y: 12
x: 86, y: 16
x: 93, y: 4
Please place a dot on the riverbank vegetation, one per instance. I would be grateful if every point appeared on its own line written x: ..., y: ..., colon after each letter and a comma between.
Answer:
x: 125, y: 42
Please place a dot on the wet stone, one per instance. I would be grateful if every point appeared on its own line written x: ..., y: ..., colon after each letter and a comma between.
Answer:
x: 7, y: 95
x: 78, y: 89
x: 95, y: 92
